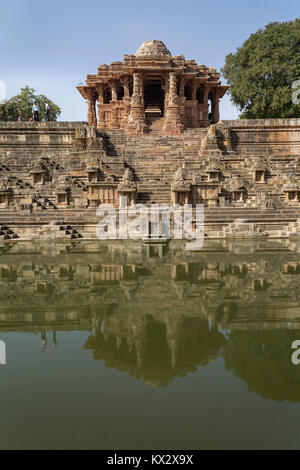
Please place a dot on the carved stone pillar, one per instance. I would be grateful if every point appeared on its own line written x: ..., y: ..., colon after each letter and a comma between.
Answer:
x: 215, y: 107
x: 136, y: 120
x: 100, y: 90
x: 91, y: 98
x: 101, y: 121
x: 114, y: 94
x: 194, y: 91
x: 173, y: 123
x: 126, y: 86
x: 204, y: 121
x: 181, y: 87
x: 113, y: 109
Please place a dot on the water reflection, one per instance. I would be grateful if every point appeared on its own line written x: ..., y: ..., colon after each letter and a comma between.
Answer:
x: 160, y: 312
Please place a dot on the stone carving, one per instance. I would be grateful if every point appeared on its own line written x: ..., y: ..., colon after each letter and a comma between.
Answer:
x: 291, y: 191
x: 137, y: 96
x: 179, y: 182
x: 127, y: 187
x: 39, y: 173
x: 136, y: 119
x: 150, y: 70
x: 173, y: 98
x: 236, y: 183
x: 153, y: 48
x: 210, y: 141
x: 228, y: 139
x: 127, y: 183
x: 172, y: 124
x: 32, y: 156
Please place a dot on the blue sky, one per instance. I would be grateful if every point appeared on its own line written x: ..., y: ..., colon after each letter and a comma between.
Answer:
x: 51, y: 46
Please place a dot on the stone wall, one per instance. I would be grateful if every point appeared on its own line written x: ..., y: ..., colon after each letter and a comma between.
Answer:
x: 266, y: 136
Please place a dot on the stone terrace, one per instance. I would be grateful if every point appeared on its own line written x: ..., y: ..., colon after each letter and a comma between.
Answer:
x: 53, y: 176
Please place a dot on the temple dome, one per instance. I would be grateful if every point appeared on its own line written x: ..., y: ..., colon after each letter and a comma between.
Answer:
x: 155, y: 48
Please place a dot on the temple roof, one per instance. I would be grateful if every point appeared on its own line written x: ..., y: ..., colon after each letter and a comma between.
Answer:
x: 154, y: 48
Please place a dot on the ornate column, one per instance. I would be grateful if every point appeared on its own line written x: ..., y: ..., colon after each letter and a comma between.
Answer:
x: 113, y: 105
x: 136, y: 120
x: 194, y: 90
x: 126, y: 86
x: 181, y: 99
x: 215, y: 106
x: 181, y: 87
x: 205, y: 102
x: 126, y: 99
x: 173, y: 123
x: 91, y: 99
x: 113, y: 85
x: 100, y: 89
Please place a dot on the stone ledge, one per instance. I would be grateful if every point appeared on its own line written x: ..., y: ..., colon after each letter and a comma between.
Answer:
x: 42, y: 125
x: 291, y: 122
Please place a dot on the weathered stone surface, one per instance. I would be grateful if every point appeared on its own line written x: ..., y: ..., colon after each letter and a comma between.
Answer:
x: 154, y: 47
x: 152, y: 91
x: 61, y: 172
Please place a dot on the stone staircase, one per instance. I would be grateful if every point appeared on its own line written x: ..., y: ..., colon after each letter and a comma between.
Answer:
x: 7, y: 233
x: 154, y: 158
x: 59, y: 230
x: 33, y: 209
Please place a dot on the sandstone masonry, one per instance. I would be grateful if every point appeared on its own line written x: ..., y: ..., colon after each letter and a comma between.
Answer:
x: 54, y: 175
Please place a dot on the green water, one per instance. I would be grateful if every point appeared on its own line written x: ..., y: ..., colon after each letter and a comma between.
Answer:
x: 132, y: 346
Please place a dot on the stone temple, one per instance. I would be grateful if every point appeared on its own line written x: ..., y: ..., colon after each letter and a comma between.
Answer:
x: 152, y: 90
x: 156, y: 138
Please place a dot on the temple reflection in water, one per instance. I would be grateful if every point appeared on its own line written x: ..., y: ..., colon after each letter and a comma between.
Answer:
x: 159, y: 311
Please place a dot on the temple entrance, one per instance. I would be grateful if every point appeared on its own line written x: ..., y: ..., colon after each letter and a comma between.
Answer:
x: 154, y: 99
x: 154, y: 102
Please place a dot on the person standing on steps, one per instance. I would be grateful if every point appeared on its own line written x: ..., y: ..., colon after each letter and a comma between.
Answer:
x: 35, y: 111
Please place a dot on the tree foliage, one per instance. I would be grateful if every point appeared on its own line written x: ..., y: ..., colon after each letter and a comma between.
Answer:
x: 262, y: 71
x: 21, y: 105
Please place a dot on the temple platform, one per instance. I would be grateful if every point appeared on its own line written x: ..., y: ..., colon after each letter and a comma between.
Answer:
x: 53, y: 176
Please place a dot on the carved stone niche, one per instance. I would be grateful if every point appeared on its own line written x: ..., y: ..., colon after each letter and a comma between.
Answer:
x: 259, y: 172
x: 4, y: 195
x: 180, y: 188
x: 268, y: 201
x: 127, y: 187
x: 63, y: 195
x: 291, y: 192
x: 213, y: 172
x: 39, y: 173
x: 210, y: 193
x: 211, y: 140
x: 237, y: 187
x: 92, y: 173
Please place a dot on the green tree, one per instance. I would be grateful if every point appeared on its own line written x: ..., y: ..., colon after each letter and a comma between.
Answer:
x: 21, y: 105
x: 262, y: 71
